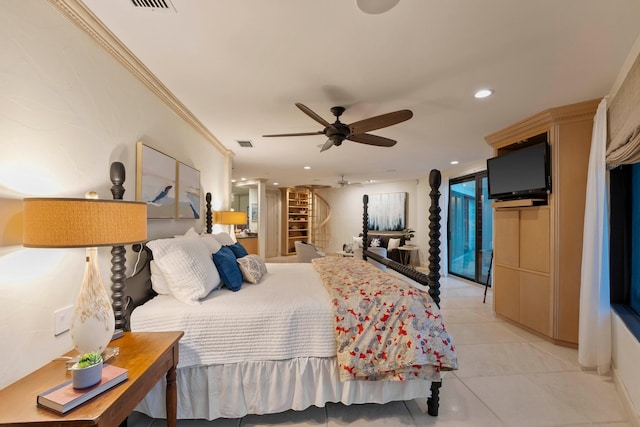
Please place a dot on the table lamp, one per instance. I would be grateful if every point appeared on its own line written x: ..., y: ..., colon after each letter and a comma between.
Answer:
x: 230, y: 217
x: 88, y: 223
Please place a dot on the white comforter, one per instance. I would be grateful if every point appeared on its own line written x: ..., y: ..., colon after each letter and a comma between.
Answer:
x: 287, y: 315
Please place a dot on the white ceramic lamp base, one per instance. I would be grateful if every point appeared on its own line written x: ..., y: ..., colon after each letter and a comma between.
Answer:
x: 93, y: 322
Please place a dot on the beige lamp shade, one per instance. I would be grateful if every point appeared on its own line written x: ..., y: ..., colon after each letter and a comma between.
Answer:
x: 71, y: 223
x: 90, y: 222
x: 229, y: 217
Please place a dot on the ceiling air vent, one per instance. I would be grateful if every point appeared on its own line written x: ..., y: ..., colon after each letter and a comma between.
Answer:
x: 244, y: 143
x: 155, y: 5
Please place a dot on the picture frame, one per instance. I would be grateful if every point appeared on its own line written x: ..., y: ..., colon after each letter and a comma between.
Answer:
x: 156, y: 182
x: 189, y: 192
x: 387, y: 212
x: 254, y: 212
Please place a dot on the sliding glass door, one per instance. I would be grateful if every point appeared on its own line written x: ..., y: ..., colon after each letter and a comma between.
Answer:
x: 470, y: 227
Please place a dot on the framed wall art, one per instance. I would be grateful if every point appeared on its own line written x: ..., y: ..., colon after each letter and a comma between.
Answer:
x: 156, y: 182
x: 188, y: 192
x: 387, y: 212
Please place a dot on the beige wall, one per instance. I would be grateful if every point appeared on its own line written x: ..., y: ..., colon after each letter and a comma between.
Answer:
x: 67, y: 110
x: 346, y: 209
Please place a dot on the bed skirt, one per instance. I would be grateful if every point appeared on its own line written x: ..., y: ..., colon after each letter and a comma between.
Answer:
x: 237, y: 389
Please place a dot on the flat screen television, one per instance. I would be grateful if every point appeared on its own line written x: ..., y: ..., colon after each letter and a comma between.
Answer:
x: 520, y: 174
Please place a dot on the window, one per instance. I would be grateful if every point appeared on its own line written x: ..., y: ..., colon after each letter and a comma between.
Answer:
x: 470, y: 227
x: 625, y: 244
x: 634, y: 286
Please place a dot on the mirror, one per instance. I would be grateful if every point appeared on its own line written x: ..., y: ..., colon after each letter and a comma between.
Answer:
x: 245, y: 199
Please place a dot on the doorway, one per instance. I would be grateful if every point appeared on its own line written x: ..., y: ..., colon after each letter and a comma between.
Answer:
x: 470, y: 227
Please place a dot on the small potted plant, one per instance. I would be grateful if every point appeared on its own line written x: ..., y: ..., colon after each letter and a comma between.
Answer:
x: 408, y: 234
x: 87, y: 371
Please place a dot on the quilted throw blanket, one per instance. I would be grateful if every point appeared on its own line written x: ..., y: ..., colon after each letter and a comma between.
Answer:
x: 386, y: 329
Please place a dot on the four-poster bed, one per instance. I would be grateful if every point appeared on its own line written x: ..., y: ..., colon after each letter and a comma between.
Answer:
x: 238, y: 357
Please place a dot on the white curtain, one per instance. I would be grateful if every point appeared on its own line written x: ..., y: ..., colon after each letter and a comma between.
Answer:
x: 594, y: 351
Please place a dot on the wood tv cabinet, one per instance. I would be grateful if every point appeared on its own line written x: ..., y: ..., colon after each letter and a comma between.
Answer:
x: 538, y: 243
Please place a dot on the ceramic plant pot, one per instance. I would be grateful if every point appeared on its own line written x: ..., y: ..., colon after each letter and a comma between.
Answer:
x: 86, y: 377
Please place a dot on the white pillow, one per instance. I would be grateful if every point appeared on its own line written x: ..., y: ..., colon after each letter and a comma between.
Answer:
x: 187, y: 266
x: 252, y: 267
x: 224, y: 239
x: 393, y: 244
x: 191, y: 232
x: 357, y: 242
x: 375, y: 242
x: 158, y: 282
x: 212, y: 244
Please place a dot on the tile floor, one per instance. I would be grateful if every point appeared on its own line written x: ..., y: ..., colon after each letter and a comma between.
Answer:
x: 507, y: 377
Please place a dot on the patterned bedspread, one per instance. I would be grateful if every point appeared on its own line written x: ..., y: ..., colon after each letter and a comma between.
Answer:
x: 386, y: 329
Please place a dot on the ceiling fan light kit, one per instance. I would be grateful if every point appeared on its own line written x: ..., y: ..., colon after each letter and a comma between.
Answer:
x: 337, y: 132
x: 376, y: 7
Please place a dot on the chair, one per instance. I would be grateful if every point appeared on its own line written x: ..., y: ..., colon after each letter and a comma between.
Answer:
x: 307, y: 251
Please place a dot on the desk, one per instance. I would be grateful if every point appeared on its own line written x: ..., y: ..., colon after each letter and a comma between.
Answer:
x: 406, y: 254
x: 149, y: 357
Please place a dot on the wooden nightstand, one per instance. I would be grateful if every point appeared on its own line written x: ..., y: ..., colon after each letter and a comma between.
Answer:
x: 149, y: 357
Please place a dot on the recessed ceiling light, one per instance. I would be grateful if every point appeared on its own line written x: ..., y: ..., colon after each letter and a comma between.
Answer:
x: 233, y: 180
x: 454, y: 162
x: 275, y: 183
x: 307, y: 167
x: 483, y: 93
x: 243, y: 179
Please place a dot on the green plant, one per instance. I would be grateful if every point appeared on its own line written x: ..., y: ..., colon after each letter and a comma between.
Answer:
x: 408, y: 234
x: 89, y: 359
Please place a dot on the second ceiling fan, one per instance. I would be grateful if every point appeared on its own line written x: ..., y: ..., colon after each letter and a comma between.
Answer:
x: 337, y: 132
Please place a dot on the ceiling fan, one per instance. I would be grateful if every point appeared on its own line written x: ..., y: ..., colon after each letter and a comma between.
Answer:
x: 343, y: 182
x: 356, y: 132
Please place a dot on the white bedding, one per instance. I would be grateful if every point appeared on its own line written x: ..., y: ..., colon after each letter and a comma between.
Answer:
x: 219, y: 376
x: 217, y: 329
x: 236, y: 389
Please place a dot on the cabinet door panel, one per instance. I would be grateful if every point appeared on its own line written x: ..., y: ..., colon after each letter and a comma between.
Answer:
x: 534, y: 239
x: 535, y: 302
x: 507, y: 237
x: 507, y: 292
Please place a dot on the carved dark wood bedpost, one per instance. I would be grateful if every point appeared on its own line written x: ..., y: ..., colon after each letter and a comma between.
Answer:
x: 435, y: 179
x: 433, y: 403
x: 118, y: 255
x: 208, y: 216
x: 365, y: 225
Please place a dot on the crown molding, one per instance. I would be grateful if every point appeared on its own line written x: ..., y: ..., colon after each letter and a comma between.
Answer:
x: 85, y: 20
x: 542, y: 121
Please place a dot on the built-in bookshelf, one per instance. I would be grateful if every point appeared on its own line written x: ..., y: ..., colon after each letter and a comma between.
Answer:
x: 296, y: 218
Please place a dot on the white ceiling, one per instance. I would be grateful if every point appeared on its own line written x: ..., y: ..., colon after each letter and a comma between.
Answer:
x: 240, y: 65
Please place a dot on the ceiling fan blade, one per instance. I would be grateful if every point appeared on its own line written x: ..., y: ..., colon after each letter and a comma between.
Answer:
x: 312, y: 114
x: 296, y: 134
x: 365, y: 138
x: 379, y: 122
x: 327, y: 145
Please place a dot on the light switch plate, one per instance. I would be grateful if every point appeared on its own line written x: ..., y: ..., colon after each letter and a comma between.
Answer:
x: 62, y: 320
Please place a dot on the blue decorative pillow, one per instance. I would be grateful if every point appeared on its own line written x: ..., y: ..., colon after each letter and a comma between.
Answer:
x: 238, y: 250
x: 228, y: 268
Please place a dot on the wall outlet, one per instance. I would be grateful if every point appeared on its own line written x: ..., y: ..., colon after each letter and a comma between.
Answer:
x: 62, y: 320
